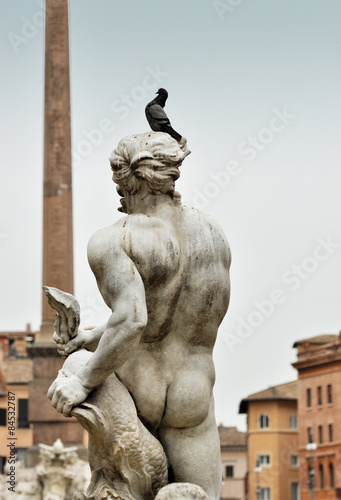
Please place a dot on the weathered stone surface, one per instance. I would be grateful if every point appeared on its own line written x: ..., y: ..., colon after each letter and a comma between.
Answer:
x: 148, y: 373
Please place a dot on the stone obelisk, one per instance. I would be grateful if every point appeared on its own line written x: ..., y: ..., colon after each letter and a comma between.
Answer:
x: 48, y: 425
x: 57, y: 239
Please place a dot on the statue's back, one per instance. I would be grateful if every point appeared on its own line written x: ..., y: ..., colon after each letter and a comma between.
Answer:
x: 183, y: 259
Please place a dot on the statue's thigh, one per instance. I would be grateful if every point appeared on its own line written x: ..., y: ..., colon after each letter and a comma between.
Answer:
x: 194, y: 454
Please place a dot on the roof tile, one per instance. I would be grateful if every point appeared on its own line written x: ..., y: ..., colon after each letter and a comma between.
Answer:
x: 230, y: 436
x: 284, y: 391
x: 17, y: 370
x: 324, y: 338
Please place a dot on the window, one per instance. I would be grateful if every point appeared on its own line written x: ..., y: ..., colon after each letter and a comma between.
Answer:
x: 329, y: 394
x: 320, y: 434
x: 3, y: 415
x: 229, y: 471
x: 264, y: 459
x: 2, y: 464
x: 265, y: 494
x: 293, y: 421
x: 264, y: 421
x: 295, y: 491
x: 319, y: 395
x: 308, y: 398
x: 331, y: 475
x: 309, y: 433
x: 321, y: 476
x: 23, y: 414
x: 11, y: 348
x: 330, y: 432
x: 294, y: 461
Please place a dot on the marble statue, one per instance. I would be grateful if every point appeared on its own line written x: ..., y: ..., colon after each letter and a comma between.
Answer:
x: 58, y: 474
x: 60, y: 471
x: 142, y: 383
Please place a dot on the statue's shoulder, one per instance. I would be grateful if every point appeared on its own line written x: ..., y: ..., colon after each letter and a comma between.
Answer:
x: 105, y: 242
x: 135, y: 236
x: 202, y: 219
x: 113, y: 238
x: 204, y: 224
x: 100, y: 240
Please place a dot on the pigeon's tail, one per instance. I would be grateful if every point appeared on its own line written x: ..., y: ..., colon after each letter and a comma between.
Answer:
x: 173, y: 133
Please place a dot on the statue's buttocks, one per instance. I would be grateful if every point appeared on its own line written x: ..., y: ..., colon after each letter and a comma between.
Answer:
x: 170, y: 383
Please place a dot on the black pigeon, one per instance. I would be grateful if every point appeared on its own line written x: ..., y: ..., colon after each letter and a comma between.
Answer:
x: 156, y: 116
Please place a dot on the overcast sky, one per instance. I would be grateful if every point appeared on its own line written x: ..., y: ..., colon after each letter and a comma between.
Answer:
x: 255, y: 88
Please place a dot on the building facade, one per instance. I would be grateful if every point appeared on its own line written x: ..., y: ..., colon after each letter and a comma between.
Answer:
x: 272, y: 443
x: 319, y: 409
x: 15, y: 376
x: 233, y: 463
x: 16, y: 343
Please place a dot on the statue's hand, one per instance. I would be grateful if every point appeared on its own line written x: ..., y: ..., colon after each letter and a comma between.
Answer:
x: 66, y: 392
x: 65, y: 346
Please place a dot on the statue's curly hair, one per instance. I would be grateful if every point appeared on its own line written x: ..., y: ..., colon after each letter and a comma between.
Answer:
x: 152, y: 158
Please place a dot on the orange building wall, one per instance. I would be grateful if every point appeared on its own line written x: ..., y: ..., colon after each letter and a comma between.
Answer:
x: 24, y: 436
x: 325, y: 414
x: 279, y: 441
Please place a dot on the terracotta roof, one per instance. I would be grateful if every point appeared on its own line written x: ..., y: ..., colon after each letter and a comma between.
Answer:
x: 17, y: 334
x: 284, y: 391
x: 231, y: 437
x: 17, y: 370
x: 325, y: 338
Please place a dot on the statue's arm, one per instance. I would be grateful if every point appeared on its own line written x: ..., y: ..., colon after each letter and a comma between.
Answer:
x: 86, y: 339
x: 98, y: 254
x: 93, y: 339
x: 123, y: 290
